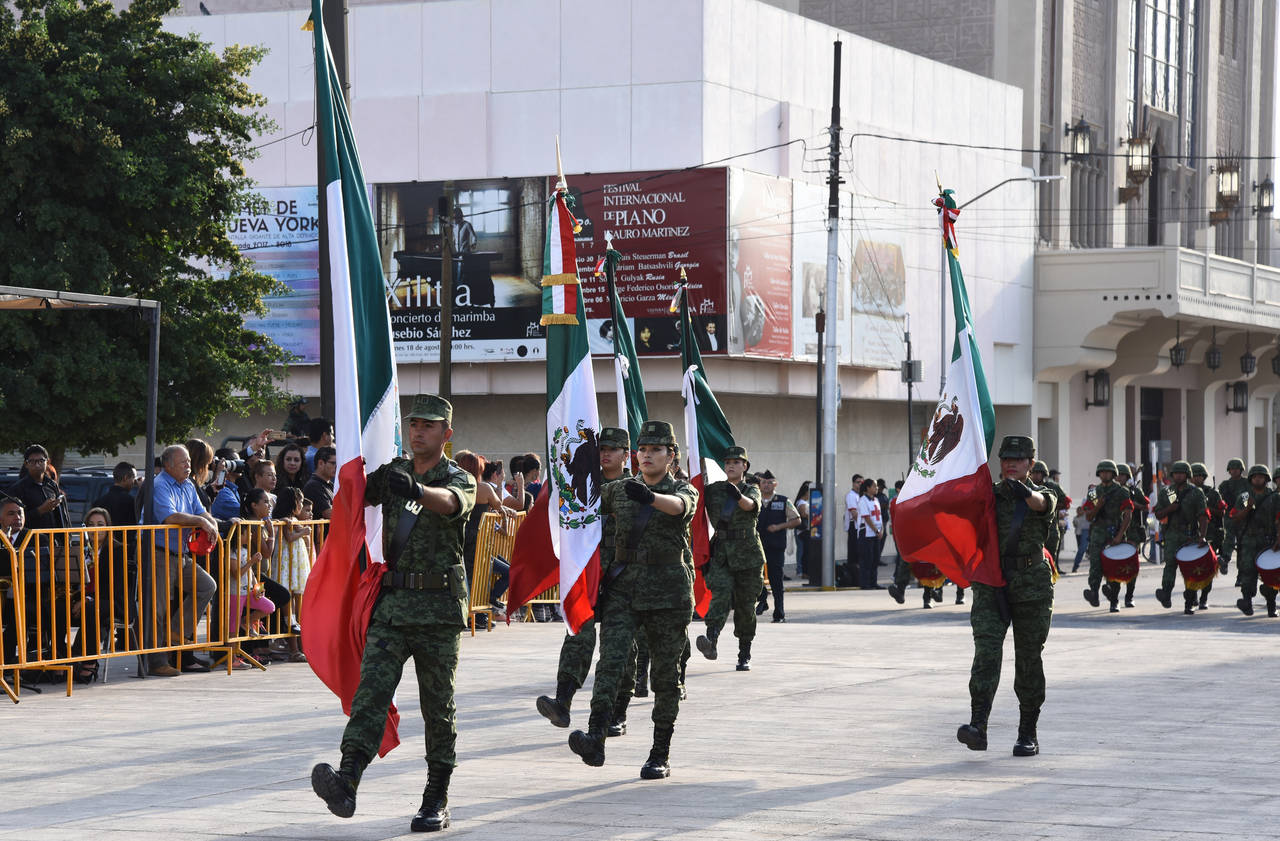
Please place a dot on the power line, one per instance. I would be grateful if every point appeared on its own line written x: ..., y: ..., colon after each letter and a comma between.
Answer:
x: 989, y: 148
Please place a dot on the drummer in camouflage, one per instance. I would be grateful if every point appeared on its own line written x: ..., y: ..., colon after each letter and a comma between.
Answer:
x: 1231, y: 489
x: 1023, y: 512
x: 1137, y: 532
x: 1184, y: 507
x: 1040, y: 476
x: 1109, y: 508
x: 1254, y: 514
x: 1199, y: 478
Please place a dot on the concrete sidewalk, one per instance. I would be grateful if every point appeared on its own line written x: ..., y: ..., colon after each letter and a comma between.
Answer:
x: 1157, y: 726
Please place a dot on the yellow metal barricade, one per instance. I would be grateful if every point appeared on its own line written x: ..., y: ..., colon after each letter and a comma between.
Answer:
x: 495, y: 539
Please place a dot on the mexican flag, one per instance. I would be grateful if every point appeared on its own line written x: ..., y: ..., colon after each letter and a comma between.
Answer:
x: 707, y: 435
x: 560, y: 540
x: 339, y: 598
x: 945, y: 512
x: 633, y: 409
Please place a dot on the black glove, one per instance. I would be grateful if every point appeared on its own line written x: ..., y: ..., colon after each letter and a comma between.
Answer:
x: 734, y: 493
x: 638, y: 491
x: 1020, y: 489
x: 401, y: 485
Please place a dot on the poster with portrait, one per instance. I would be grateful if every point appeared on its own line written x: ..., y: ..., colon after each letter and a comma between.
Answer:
x: 760, y: 270
x: 660, y: 222
x: 497, y: 227
x: 809, y: 274
x: 279, y: 232
x: 879, y: 299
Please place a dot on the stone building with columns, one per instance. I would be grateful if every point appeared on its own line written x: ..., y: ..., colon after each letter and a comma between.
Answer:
x: 1157, y: 306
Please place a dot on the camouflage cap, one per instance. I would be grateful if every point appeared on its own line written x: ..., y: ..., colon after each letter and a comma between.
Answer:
x: 618, y: 439
x: 1183, y: 467
x: 737, y: 452
x: 1235, y: 464
x: 1018, y: 446
x: 1198, y: 469
x: 1040, y: 467
x: 656, y: 432
x: 1123, y: 469
x: 429, y: 407
x: 1259, y: 470
x: 1105, y: 464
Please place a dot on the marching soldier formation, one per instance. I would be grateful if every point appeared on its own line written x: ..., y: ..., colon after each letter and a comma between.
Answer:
x: 645, y: 603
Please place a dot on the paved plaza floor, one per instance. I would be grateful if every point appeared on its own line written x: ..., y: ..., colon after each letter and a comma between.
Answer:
x: 1157, y: 726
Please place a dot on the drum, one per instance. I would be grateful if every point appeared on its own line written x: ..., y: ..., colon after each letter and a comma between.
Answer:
x: 927, y: 574
x: 1269, y: 568
x: 1198, y: 564
x: 1120, y: 562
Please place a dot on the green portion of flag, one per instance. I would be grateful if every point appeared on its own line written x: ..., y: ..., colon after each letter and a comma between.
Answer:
x: 964, y: 332
x: 624, y: 352
x: 714, y: 434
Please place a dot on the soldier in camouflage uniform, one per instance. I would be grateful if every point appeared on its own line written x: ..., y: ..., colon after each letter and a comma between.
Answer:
x: 1023, y: 513
x: 1137, y: 532
x: 648, y: 590
x: 578, y: 649
x: 737, y: 557
x: 1199, y: 477
x: 1040, y: 476
x: 1108, y: 509
x: 1254, y: 513
x: 1231, y: 489
x: 420, y: 612
x: 1184, y: 506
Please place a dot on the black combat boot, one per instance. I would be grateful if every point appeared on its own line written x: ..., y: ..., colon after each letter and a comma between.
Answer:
x: 928, y: 598
x: 1269, y: 593
x: 556, y: 710
x: 1091, y: 596
x: 684, y: 665
x: 1204, y: 597
x: 338, y: 788
x: 974, y: 734
x: 1162, y: 596
x: 1128, y: 592
x: 590, y: 745
x: 1027, y: 744
x: 898, y: 596
x: 744, y: 655
x: 937, y: 595
x: 434, y: 814
x: 618, y: 723
x: 642, y: 675
x: 658, y: 766
x: 959, y: 595
x: 707, y: 643
x: 1245, y: 603
x: 1112, y: 591
x: 1189, y: 602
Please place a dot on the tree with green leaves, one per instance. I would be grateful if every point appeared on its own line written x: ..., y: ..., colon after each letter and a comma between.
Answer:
x: 120, y: 150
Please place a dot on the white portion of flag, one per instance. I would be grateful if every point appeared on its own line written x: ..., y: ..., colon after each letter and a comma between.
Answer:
x: 573, y: 541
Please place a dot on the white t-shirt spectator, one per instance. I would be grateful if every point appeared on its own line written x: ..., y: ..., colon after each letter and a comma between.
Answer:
x: 869, y: 507
x: 851, y: 502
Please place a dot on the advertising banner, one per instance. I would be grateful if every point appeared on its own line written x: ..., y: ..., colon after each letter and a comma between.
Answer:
x: 879, y: 299
x: 809, y: 274
x: 760, y: 265
x: 660, y: 222
x: 279, y: 233
x: 498, y: 227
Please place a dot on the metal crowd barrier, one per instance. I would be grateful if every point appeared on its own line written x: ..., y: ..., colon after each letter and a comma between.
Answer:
x: 495, y: 539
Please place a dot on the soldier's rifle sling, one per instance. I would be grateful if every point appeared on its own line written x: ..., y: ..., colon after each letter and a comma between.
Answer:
x: 637, y: 531
x: 1006, y: 549
x: 404, y: 524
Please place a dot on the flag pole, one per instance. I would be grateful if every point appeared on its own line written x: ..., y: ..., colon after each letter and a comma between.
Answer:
x: 942, y: 298
x: 613, y: 315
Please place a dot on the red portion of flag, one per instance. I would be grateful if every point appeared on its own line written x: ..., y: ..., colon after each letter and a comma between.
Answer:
x: 534, y: 565
x: 952, y: 527
x: 338, y: 601
x: 580, y: 601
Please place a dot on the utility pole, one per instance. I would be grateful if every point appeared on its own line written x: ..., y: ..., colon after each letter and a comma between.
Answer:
x: 831, y: 365
x: 445, y: 211
x: 334, y: 20
x: 813, y: 546
x: 911, y: 374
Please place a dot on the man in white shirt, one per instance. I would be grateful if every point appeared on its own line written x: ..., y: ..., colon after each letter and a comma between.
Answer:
x: 851, y: 527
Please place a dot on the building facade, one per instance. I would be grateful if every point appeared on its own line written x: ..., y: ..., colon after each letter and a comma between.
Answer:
x: 1155, y: 294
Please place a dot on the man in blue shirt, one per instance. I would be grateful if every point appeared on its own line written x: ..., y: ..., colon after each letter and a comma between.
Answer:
x: 174, y: 502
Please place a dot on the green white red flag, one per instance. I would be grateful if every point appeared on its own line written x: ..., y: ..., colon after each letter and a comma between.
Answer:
x: 945, y: 513
x: 560, y: 540
x: 339, y: 597
x: 633, y: 409
x: 707, y: 436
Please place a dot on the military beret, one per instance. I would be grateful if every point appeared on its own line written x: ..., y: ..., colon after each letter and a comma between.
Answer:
x: 612, y: 436
x: 430, y: 407
x: 766, y: 474
x: 1018, y: 446
x: 656, y: 432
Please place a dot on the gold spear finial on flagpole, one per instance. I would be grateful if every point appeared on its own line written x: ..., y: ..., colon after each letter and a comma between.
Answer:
x: 608, y: 240
x: 935, y: 178
x: 561, y: 184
